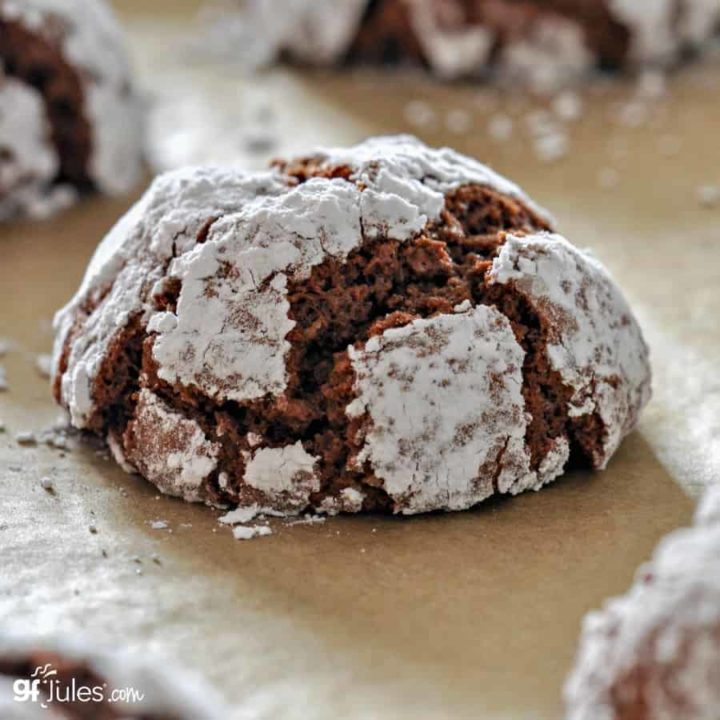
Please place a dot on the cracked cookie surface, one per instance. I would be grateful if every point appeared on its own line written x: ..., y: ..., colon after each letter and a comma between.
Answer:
x: 384, y: 327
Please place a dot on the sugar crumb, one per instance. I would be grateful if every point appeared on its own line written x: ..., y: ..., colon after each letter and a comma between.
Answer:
x: 248, y: 532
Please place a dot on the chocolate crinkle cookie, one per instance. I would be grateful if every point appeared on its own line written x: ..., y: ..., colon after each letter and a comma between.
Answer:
x: 70, y: 120
x: 41, y: 679
x: 540, y: 42
x: 654, y: 654
x: 384, y: 327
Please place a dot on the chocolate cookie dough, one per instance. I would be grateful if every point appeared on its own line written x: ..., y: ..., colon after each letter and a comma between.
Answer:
x: 384, y: 327
x: 533, y: 41
x: 70, y: 120
x: 655, y: 652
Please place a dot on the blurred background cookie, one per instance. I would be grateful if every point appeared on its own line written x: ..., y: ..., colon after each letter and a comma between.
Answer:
x: 655, y: 652
x: 540, y: 44
x: 81, y: 680
x: 70, y: 118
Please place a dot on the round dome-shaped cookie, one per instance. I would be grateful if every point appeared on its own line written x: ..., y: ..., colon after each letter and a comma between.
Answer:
x: 70, y: 119
x: 387, y: 326
x: 543, y: 42
x: 655, y: 652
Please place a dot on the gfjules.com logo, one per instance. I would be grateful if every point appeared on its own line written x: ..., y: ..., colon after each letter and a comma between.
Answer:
x: 46, y: 688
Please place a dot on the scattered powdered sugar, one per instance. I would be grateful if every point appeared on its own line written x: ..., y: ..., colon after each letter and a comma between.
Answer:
x: 159, y: 525
x: 709, y: 196
x: 430, y: 447
x: 658, y: 647
x: 568, y: 106
x: 169, y: 449
x: 651, y: 84
x: 246, y: 513
x: 92, y: 43
x: 43, y: 364
x: 308, y: 519
x: 594, y: 340
x: 248, y: 532
x: 241, y: 515
x: 500, y: 127
x: 420, y: 114
x: 458, y: 121
x: 551, y: 147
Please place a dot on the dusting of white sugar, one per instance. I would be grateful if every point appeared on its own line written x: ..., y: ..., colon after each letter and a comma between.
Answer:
x: 92, y: 42
x: 431, y: 447
x: 169, y: 449
x: 594, y: 340
x: 658, y: 646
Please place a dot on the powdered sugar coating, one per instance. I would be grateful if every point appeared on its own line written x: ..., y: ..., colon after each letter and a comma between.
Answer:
x: 348, y: 500
x: 445, y: 414
x: 699, y: 19
x: 543, y: 49
x: 227, y: 336
x: 280, y: 231
x: 708, y: 511
x: 319, y: 31
x: 451, y: 51
x: 91, y: 41
x: 651, y: 23
x: 594, y: 341
x: 408, y: 180
x: 662, y: 28
x: 552, y: 52
x: 197, y: 281
x: 131, y: 262
x: 29, y: 161
x: 285, y: 476
x: 655, y: 652
x: 169, y: 449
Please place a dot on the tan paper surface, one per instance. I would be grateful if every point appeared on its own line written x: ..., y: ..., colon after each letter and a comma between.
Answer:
x: 470, y: 615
